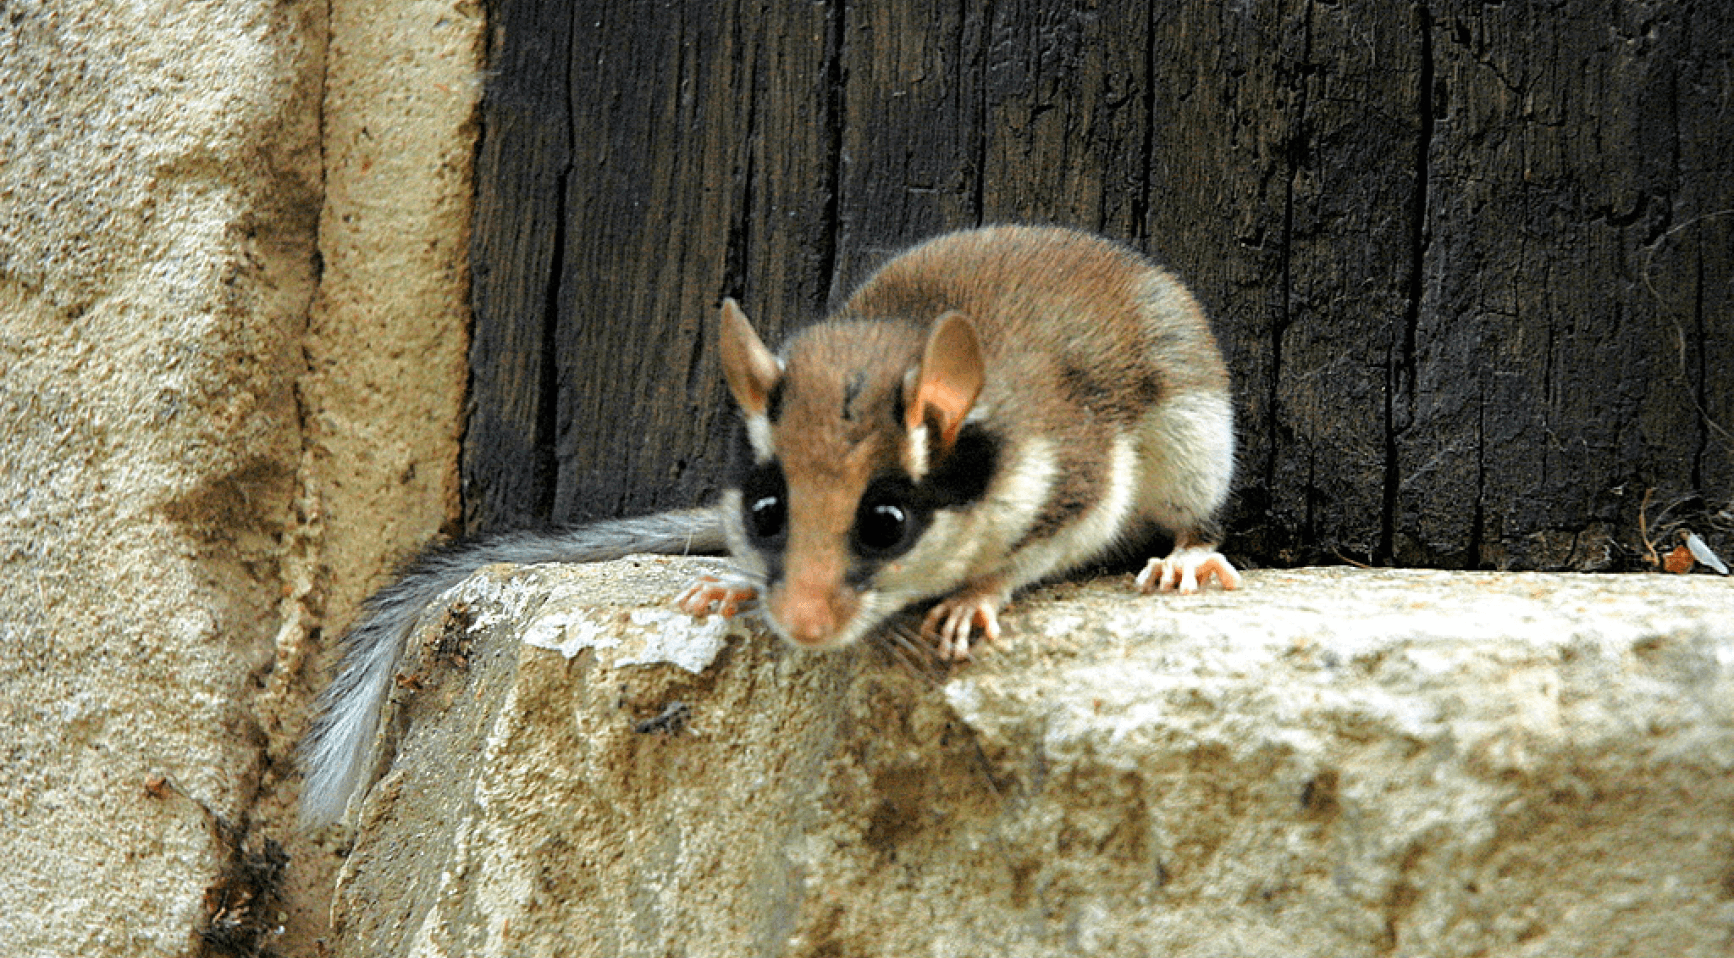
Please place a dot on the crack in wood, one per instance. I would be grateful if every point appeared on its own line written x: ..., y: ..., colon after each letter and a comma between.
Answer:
x: 1446, y: 352
x: 1400, y: 365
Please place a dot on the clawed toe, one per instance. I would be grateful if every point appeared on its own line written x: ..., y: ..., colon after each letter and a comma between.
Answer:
x: 710, y: 594
x: 1186, y: 570
x: 952, y: 623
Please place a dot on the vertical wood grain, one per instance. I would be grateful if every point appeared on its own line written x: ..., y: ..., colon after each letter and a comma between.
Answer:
x: 1471, y: 264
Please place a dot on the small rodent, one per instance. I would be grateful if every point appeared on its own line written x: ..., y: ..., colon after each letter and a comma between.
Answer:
x: 991, y: 408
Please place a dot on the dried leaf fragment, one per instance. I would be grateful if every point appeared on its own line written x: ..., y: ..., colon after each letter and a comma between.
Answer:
x: 1679, y: 561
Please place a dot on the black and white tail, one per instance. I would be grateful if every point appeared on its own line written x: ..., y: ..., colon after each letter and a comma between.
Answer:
x: 348, y: 712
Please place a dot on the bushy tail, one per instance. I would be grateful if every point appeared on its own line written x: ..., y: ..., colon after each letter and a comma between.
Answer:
x: 348, y: 712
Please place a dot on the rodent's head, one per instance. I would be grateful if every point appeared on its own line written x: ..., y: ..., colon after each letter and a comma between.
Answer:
x: 856, y: 461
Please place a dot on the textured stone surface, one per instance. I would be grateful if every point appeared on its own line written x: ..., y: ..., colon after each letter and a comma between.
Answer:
x: 385, y: 346
x: 1331, y: 762
x: 159, y: 174
x: 196, y: 477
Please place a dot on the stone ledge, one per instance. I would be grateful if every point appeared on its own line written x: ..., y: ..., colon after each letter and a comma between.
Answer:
x: 1330, y: 762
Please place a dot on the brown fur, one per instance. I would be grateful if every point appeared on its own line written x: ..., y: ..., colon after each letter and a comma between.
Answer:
x: 1059, y: 314
x: 1079, y: 339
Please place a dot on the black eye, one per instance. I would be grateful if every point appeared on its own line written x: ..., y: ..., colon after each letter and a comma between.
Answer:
x: 881, y: 527
x: 764, y: 503
x: 890, y: 519
x: 766, y: 517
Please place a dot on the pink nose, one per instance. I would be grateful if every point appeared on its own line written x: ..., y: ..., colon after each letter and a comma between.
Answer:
x: 806, y: 617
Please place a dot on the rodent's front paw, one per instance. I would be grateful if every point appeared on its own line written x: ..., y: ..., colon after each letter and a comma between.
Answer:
x: 952, y: 623
x: 709, y: 594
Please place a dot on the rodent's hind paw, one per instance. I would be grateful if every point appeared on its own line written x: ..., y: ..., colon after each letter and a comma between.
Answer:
x: 1186, y: 570
x: 709, y: 594
x: 952, y: 623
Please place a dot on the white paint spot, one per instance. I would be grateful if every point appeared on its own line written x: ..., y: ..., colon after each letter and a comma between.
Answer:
x: 570, y: 633
x: 679, y: 639
x: 644, y: 637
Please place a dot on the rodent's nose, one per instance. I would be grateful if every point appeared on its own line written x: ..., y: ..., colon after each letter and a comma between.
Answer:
x: 806, y: 617
x: 812, y: 605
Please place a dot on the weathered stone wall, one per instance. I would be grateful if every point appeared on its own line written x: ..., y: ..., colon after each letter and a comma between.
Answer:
x: 1330, y: 762
x: 232, y: 281
x: 159, y: 184
x: 385, y: 350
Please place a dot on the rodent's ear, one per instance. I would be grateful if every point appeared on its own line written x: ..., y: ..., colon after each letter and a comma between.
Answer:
x: 949, y: 379
x: 750, y: 368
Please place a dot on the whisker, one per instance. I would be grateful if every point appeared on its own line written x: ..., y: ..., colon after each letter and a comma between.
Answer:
x: 904, y: 645
x: 890, y: 654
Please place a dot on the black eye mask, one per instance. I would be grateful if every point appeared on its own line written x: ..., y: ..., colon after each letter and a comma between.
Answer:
x: 765, y: 504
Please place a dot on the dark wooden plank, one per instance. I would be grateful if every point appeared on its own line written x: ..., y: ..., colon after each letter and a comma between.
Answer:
x: 1356, y: 244
x: 1470, y: 263
x: 657, y: 173
x: 1066, y: 115
x: 1218, y: 200
x: 1683, y: 135
x: 1546, y: 395
x: 912, y: 143
x: 508, y: 464
x: 785, y: 254
x: 1283, y: 183
x: 679, y: 194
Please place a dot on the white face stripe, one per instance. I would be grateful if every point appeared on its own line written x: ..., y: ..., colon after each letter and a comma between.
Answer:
x: 915, y: 452
x: 759, y: 435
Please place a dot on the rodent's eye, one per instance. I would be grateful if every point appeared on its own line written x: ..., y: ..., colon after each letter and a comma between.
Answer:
x: 880, y: 527
x: 764, y: 502
x: 888, y: 519
x: 766, y: 517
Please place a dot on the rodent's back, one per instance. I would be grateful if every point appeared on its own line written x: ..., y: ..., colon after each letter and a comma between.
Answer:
x: 1058, y: 310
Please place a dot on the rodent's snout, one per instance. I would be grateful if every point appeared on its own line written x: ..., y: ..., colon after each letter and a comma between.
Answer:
x: 812, y: 616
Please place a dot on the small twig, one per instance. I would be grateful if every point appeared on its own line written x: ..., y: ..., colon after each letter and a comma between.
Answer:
x: 1354, y: 562
x: 1644, y: 529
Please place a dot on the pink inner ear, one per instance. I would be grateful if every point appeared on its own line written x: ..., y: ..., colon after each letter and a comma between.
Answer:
x: 748, y: 366
x: 949, y: 406
x: 951, y: 376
